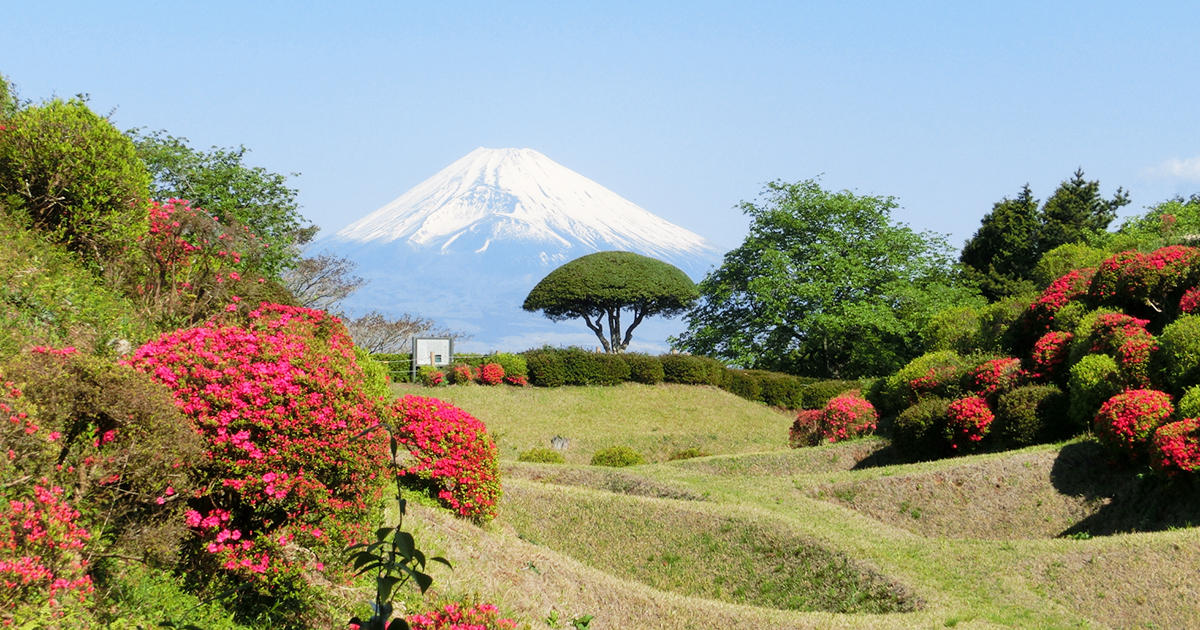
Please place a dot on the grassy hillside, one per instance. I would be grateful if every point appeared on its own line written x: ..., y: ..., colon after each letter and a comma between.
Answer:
x: 824, y: 537
x: 657, y: 421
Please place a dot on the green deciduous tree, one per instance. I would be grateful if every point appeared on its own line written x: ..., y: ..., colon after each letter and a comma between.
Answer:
x: 825, y: 284
x: 598, y: 286
x: 72, y: 176
x: 220, y: 182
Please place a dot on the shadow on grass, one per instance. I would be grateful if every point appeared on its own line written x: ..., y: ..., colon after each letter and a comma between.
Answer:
x: 1128, y: 498
x: 886, y: 456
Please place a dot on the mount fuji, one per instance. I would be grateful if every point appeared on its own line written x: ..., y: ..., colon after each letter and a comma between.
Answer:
x: 465, y: 246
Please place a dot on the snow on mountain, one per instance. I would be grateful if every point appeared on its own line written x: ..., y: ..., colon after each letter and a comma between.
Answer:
x: 465, y: 246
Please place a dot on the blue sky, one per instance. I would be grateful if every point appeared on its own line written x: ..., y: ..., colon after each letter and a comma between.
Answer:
x: 684, y: 108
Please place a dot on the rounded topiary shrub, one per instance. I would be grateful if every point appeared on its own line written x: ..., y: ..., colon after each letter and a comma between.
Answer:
x: 1189, y: 404
x: 806, y: 428
x: 968, y: 420
x: 1128, y: 420
x: 1177, y: 362
x: 1050, y: 354
x: 581, y: 367
x: 995, y: 376
x: 847, y: 416
x: 1030, y: 415
x: 1121, y: 336
x: 617, y: 456
x: 541, y: 456
x: 513, y: 364
x: 931, y: 375
x: 1175, y: 447
x: 919, y: 431
x: 1071, y: 286
x: 455, y: 458
x: 546, y: 368
x: 644, y: 368
x: 491, y: 374
x: 462, y: 374
x: 1093, y: 380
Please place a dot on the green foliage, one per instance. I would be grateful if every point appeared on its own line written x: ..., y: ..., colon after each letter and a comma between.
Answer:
x: 1076, y: 211
x: 816, y: 394
x: 937, y: 374
x: 398, y: 365
x: 1189, y: 403
x: 1092, y: 381
x: 546, y: 367
x: 72, y: 176
x: 554, y: 367
x: 513, y: 364
x: 1177, y: 362
x: 111, y: 438
x: 375, y: 375
x: 1172, y: 222
x: 1055, y: 263
x: 687, y: 369
x: 688, y: 453
x: 746, y: 383
x: 1001, y: 254
x: 541, y: 456
x: 825, y: 285
x: 598, y: 286
x: 617, y: 456
x: 48, y: 298
x: 1031, y: 414
x: 919, y: 429
x: 955, y: 328
x: 221, y: 183
x: 644, y: 368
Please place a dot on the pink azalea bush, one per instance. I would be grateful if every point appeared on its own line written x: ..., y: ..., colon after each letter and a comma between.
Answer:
x: 1050, y: 353
x: 847, y: 416
x: 1070, y: 286
x: 1127, y: 421
x: 1126, y: 338
x: 996, y: 376
x: 517, y: 380
x: 461, y: 617
x: 276, y: 398
x: 454, y: 455
x: 491, y: 374
x: 1175, y: 447
x: 462, y: 374
x: 967, y: 421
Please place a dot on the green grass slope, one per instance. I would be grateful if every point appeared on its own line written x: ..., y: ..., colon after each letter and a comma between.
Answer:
x: 762, y: 538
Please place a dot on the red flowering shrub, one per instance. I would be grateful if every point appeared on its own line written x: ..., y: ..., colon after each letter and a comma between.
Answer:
x: 931, y: 375
x: 1175, y: 446
x: 433, y: 378
x: 41, y: 556
x: 1123, y: 337
x: 491, y: 374
x: 967, y: 421
x: 806, y: 428
x: 518, y: 381
x: 1072, y: 285
x: 847, y: 416
x: 455, y: 457
x: 278, y: 403
x: 1128, y: 420
x: 996, y: 376
x: 1189, y: 303
x: 1135, y: 279
x: 1050, y: 352
x: 463, y: 374
x: 461, y: 617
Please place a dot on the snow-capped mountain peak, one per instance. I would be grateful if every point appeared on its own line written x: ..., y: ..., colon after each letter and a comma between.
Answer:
x: 493, y: 195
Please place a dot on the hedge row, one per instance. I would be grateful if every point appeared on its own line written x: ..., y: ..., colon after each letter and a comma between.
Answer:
x: 555, y: 367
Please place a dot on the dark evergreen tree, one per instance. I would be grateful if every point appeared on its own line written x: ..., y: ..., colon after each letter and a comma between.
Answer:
x: 1001, y: 256
x: 1076, y: 210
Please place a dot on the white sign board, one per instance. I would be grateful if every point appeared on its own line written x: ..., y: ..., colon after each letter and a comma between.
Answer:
x: 432, y: 351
